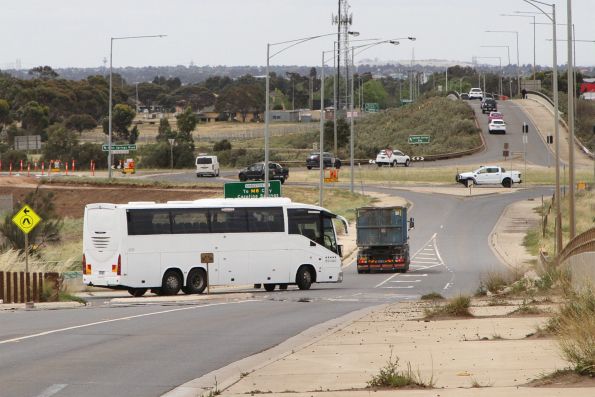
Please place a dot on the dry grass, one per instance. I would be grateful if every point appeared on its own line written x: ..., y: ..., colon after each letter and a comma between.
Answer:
x: 432, y: 296
x: 575, y: 327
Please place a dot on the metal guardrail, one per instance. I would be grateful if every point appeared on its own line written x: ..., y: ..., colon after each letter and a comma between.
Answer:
x: 584, y: 242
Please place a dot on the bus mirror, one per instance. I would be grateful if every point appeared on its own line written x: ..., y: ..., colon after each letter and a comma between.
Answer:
x: 340, y: 250
x: 411, y: 223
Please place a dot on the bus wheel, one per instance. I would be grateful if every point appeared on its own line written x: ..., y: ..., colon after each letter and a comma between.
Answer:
x: 303, y: 278
x: 137, y: 292
x: 196, y: 283
x: 269, y: 287
x: 283, y: 286
x: 171, y: 284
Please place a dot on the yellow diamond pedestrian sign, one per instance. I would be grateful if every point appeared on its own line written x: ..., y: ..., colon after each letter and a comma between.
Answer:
x: 26, y: 219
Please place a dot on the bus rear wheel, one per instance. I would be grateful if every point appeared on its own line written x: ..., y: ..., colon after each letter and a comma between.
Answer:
x: 137, y: 292
x: 196, y: 282
x: 172, y: 283
x: 269, y: 287
x: 303, y: 278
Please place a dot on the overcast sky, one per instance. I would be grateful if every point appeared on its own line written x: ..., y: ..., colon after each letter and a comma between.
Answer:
x: 76, y: 33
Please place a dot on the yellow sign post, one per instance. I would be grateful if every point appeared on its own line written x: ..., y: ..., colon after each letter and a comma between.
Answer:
x: 26, y: 220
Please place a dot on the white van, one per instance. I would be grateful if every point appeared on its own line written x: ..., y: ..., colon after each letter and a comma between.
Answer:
x: 207, y: 165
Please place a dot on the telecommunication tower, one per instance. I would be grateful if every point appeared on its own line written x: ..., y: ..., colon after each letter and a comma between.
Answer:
x: 343, y: 20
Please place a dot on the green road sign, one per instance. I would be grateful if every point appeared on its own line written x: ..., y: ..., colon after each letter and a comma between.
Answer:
x: 372, y: 107
x: 414, y: 139
x: 118, y: 147
x: 251, y: 189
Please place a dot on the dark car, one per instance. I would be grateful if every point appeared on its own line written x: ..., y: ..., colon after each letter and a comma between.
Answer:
x: 255, y: 172
x: 489, y: 105
x: 329, y: 160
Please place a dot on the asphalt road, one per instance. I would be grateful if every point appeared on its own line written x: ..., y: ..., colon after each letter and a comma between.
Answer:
x: 146, y: 350
x: 537, y: 151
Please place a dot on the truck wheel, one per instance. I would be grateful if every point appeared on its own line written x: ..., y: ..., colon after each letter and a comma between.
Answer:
x: 137, y: 292
x: 242, y: 178
x: 379, y: 165
x: 282, y: 180
x: 394, y: 163
x: 269, y: 287
x: 407, y: 163
x: 308, y: 167
x: 507, y: 182
x: 303, y: 278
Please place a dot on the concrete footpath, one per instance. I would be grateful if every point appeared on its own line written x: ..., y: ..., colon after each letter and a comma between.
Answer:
x: 486, y: 355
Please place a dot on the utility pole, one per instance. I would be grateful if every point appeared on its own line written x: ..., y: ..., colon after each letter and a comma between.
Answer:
x: 571, y: 88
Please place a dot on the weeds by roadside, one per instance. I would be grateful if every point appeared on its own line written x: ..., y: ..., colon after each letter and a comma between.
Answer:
x: 455, y: 307
x: 390, y: 376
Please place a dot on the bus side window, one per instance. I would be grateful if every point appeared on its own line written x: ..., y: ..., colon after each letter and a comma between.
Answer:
x: 305, y: 223
x: 265, y: 220
x: 145, y: 222
x: 229, y: 220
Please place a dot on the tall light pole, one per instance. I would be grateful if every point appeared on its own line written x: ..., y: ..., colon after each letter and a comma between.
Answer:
x: 109, y: 139
x: 571, y: 95
x: 508, y: 52
x: 519, y: 14
x: 362, y: 48
x: 518, y: 66
x: 287, y: 45
x: 552, y: 17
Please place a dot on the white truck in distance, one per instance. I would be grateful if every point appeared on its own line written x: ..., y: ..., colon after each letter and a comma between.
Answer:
x: 489, y: 175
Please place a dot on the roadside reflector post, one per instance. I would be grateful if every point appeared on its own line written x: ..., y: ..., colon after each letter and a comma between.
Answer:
x: 207, y: 258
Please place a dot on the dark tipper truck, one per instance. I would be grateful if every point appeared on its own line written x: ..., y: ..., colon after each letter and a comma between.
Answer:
x: 382, y: 239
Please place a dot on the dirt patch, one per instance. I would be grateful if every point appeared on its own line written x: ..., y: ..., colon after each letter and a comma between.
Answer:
x: 70, y: 200
x: 563, y: 378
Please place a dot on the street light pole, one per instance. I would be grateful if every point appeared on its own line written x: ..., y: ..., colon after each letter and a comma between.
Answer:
x: 109, y: 139
x: 508, y: 51
x: 571, y: 96
x: 288, y: 45
x: 552, y: 18
x: 525, y: 16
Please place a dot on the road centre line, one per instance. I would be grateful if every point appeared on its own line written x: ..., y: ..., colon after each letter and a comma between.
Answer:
x: 407, y: 287
x: 54, y: 331
x: 414, y: 275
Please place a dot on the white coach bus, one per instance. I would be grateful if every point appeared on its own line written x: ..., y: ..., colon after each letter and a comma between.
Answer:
x: 275, y: 242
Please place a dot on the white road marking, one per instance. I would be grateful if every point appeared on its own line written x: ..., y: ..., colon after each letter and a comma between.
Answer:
x: 405, y: 281
x: 429, y: 249
x: 414, y: 275
x: 407, y: 287
x: 427, y: 262
x: 53, y: 389
x: 446, y: 286
x: 429, y: 267
x: 391, y: 277
x: 117, y: 319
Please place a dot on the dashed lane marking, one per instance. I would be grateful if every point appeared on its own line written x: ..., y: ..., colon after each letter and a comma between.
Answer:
x: 405, y: 281
x: 53, y: 389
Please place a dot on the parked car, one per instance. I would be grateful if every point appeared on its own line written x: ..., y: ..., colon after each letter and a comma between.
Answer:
x: 392, y: 158
x: 475, y: 93
x: 329, y: 160
x: 207, y: 165
x: 464, y: 95
x: 491, y: 174
x: 497, y: 126
x: 255, y: 172
x: 488, y: 105
x: 495, y: 116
